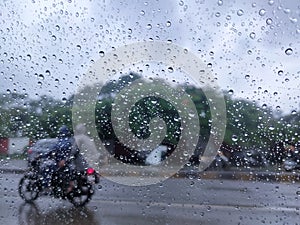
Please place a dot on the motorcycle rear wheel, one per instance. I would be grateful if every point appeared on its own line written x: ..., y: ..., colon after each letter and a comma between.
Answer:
x: 28, y: 189
x: 81, y: 195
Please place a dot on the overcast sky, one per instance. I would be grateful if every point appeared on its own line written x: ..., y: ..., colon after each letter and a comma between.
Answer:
x: 252, y: 46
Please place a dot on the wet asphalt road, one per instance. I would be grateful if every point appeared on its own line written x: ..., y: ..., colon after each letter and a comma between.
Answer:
x: 175, y: 201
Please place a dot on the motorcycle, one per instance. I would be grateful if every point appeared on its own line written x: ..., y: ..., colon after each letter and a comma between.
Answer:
x: 31, y: 185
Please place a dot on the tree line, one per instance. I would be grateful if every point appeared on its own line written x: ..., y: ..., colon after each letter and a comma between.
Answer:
x: 248, y: 124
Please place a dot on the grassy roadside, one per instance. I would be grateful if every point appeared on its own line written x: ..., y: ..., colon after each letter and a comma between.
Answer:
x: 13, y: 156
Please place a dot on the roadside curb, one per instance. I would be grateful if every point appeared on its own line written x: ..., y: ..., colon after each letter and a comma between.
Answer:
x: 279, y: 176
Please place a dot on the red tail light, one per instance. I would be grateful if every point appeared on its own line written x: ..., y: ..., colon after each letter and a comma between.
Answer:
x: 90, y: 171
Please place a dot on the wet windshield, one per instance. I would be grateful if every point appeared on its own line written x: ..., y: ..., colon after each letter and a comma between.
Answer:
x: 161, y: 112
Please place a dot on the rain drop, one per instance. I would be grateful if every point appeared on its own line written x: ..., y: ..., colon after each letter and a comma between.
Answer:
x: 271, y: 2
x: 230, y: 92
x: 149, y: 26
x: 247, y: 77
x: 170, y: 70
x: 262, y: 12
x: 269, y: 21
x: 280, y: 72
x: 101, y: 53
x: 78, y: 47
x: 252, y: 35
x: 293, y: 19
x: 271, y: 128
x: 240, y: 12
x: 289, y: 51
x: 64, y: 100
x: 234, y: 138
x: 48, y: 72
x: 44, y: 58
x: 41, y: 77
x: 168, y: 24
x: 220, y: 2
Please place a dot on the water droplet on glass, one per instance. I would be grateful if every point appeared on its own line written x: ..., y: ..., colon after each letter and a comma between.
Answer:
x: 271, y: 128
x: 262, y: 12
x: 230, y: 92
x: 48, y: 73
x: 168, y: 23
x: 280, y: 72
x: 57, y: 27
x: 240, y: 12
x: 28, y: 57
x: 41, y: 76
x: 293, y: 19
x: 64, y: 100
x: 149, y: 26
x: 269, y: 21
x: 294, y: 112
x: 44, y: 58
x: 78, y: 47
x: 101, y: 53
x: 252, y: 35
x: 220, y: 2
x: 234, y: 138
x: 170, y: 70
x: 247, y: 76
x: 53, y: 37
x: 228, y: 17
x: 142, y: 12
x: 271, y: 2
x: 289, y: 51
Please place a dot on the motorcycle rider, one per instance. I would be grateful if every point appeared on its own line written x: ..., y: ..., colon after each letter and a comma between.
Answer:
x: 65, y: 148
x: 62, y: 157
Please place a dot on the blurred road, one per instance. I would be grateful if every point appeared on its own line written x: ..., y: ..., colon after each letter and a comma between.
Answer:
x: 175, y: 201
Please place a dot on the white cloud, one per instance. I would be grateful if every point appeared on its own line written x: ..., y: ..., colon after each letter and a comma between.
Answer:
x: 70, y: 35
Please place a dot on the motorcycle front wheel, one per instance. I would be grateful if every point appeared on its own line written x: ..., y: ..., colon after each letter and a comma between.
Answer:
x: 81, y: 195
x: 28, y: 189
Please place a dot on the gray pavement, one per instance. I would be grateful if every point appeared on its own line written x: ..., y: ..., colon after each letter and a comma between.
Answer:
x: 18, y: 166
